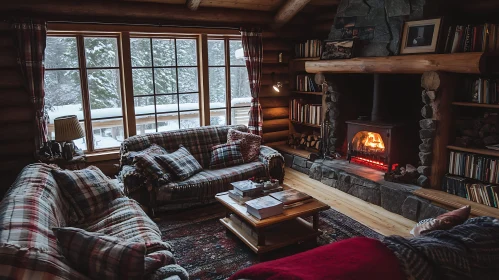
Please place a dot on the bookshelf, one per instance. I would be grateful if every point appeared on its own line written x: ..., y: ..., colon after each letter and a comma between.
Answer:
x: 481, y: 105
x: 485, y: 152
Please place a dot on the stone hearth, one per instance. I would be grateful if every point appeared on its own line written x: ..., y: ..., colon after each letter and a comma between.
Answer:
x: 369, y: 185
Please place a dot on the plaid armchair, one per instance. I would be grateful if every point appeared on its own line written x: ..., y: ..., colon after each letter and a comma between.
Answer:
x: 34, y: 205
x: 203, y: 186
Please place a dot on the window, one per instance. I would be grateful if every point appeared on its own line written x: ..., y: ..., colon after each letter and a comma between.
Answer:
x: 120, y: 83
x: 83, y: 78
x: 230, y: 94
x: 165, y: 83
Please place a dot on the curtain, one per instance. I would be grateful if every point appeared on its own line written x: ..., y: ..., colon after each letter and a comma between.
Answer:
x: 30, y: 38
x: 253, y: 55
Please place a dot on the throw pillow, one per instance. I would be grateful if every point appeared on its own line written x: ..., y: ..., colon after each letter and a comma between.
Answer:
x: 250, y: 143
x: 88, y: 190
x: 443, y: 222
x: 100, y: 256
x: 181, y: 163
x: 151, y: 169
x: 154, y: 149
x: 225, y: 155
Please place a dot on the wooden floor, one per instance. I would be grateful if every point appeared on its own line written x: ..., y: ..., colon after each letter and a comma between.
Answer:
x: 373, y: 216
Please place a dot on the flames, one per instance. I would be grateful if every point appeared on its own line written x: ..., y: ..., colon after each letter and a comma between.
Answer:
x: 374, y: 141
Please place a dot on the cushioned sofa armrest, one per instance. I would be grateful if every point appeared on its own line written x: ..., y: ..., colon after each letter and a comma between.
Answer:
x: 273, y: 161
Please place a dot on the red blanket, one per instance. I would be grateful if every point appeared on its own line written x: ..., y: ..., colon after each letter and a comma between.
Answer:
x: 355, y: 258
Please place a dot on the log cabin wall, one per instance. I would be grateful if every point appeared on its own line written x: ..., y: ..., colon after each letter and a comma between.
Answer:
x: 17, y: 144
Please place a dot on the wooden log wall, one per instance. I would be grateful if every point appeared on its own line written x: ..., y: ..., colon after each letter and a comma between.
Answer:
x: 16, y: 116
x: 275, y: 105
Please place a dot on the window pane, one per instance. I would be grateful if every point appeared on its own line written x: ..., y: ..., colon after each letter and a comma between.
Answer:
x: 168, y: 122
x: 164, y: 52
x: 105, y: 93
x: 63, y: 94
x: 142, y: 82
x: 216, y: 52
x: 217, y: 117
x: 166, y: 80
x: 61, y: 52
x: 217, y: 87
x: 189, y: 101
x: 166, y: 103
x: 240, y: 115
x: 239, y: 85
x: 108, y: 133
x: 144, y: 105
x: 146, y: 124
x: 101, y: 52
x: 188, y: 80
x: 189, y: 119
x: 140, y: 49
x: 236, y: 53
x: 187, y: 52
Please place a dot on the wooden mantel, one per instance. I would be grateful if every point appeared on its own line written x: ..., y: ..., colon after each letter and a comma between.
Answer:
x: 469, y: 63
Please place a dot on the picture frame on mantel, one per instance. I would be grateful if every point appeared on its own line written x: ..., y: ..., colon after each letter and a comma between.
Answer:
x: 421, y: 36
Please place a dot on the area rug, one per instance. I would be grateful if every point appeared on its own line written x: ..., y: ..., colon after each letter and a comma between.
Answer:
x: 206, y: 251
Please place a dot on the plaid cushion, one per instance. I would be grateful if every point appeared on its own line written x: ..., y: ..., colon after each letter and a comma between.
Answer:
x: 225, y: 155
x: 198, y: 141
x: 181, y: 163
x: 151, y: 169
x: 101, y: 256
x: 151, y: 150
x: 87, y: 190
x: 207, y: 183
x: 250, y: 144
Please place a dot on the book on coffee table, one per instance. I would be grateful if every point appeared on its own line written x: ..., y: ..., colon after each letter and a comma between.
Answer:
x: 264, y: 207
x: 246, y: 188
x: 290, y: 197
x: 239, y: 198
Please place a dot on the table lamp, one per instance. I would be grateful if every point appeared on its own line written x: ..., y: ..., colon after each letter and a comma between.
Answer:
x: 67, y: 129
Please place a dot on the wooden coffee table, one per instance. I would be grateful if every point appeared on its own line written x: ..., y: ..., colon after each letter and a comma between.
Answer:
x: 275, y: 232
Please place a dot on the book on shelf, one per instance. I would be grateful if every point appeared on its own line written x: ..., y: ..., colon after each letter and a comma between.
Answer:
x: 477, y: 192
x: 247, y: 188
x: 309, y: 48
x: 264, y: 207
x: 481, y: 90
x: 306, y: 113
x: 474, y: 166
x: 307, y: 83
x: 471, y: 38
x: 290, y: 196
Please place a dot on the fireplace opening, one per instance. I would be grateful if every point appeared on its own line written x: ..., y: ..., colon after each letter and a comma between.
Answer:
x: 367, y: 148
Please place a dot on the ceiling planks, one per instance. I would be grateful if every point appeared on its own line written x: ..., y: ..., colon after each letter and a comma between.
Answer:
x: 288, y: 11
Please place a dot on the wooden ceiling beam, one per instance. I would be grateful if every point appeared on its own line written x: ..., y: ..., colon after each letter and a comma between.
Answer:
x: 193, y: 4
x: 135, y: 12
x: 288, y: 11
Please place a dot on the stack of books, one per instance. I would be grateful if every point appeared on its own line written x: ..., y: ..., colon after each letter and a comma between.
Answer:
x: 480, y: 90
x: 306, y: 113
x: 306, y: 83
x: 472, y: 38
x: 476, y: 192
x: 244, y: 191
x: 310, y: 48
x: 292, y: 198
x: 264, y: 207
x: 474, y: 166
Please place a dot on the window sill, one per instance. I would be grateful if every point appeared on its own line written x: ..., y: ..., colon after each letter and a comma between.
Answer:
x: 103, y: 156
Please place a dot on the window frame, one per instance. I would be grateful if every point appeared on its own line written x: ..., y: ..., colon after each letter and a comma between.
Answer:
x: 124, y: 33
x: 83, y: 73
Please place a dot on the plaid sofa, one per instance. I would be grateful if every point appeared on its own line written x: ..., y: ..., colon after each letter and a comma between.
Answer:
x: 34, y: 205
x: 203, y: 186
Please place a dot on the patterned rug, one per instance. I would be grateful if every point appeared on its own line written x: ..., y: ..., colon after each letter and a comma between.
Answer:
x: 206, y: 251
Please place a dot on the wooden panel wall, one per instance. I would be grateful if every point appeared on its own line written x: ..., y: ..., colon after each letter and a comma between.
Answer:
x: 275, y: 105
x: 16, y: 117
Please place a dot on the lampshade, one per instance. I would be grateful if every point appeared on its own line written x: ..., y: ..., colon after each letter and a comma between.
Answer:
x: 67, y: 128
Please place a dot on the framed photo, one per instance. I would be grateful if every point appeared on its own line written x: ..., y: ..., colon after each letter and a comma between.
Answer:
x: 341, y: 49
x: 420, y: 36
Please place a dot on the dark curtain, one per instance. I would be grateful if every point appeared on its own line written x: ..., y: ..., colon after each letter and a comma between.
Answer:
x: 30, y: 39
x: 253, y: 55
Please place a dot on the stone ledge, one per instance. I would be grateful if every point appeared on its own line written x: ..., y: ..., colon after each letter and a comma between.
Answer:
x: 369, y: 185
